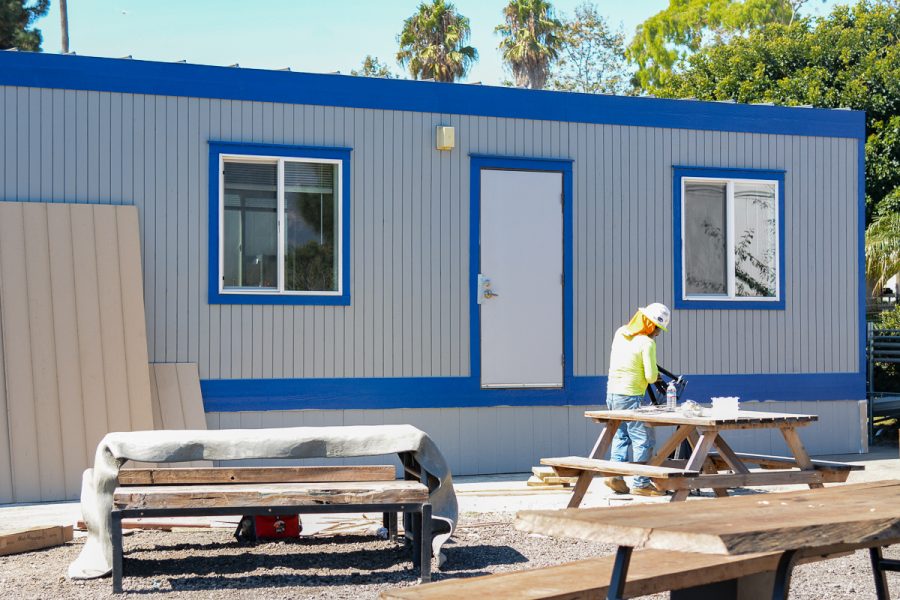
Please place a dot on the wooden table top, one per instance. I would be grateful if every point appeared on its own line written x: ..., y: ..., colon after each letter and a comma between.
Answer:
x: 649, y: 414
x: 848, y: 515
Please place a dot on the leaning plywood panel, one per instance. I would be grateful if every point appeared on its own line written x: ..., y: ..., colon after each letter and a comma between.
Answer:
x: 6, y: 493
x: 177, y: 401
x: 68, y: 365
x: 19, y: 381
x: 71, y: 305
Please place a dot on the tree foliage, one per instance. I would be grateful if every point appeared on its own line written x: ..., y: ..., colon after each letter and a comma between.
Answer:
x: 372, y: 67
x: 532, y: 37
x: 592, y: 58
x: 16, y: 20
x: 851, y: 58
x: 882, y: 250
x: 685, y: 26
x: 433, y: 43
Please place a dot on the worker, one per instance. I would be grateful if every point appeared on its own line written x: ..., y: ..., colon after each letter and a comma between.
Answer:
x: 632, y: 367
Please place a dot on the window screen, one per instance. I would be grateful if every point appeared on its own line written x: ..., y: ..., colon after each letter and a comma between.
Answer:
x: 705, y: 263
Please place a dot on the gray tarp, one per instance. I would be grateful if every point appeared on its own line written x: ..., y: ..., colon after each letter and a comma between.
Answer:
x: 99, y: 483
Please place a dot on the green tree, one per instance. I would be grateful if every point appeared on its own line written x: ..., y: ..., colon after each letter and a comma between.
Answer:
x: 372, y: 67
x: 685, y: 26
x: 433, y: 43
x: 592, y: 58
x: 532, y: 38
x: 16, y: 20
x: 850, y: 58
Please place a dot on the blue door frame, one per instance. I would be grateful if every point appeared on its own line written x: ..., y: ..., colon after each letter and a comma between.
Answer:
x: 512, y: 163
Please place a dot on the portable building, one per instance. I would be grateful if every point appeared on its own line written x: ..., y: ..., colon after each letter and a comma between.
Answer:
x: 342, y: 250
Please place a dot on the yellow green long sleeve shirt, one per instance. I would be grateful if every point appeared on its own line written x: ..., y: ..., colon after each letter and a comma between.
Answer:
x: 632, y: 364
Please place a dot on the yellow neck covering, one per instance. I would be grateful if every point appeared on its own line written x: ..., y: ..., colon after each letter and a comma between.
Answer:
x: 639, y: 325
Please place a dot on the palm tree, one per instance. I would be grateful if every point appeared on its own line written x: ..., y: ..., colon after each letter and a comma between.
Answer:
x: 433, y: 43
x: 882, y: 250
x: 532, y: 38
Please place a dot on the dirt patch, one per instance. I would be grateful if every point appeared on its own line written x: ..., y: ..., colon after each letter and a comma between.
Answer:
x: 210, y: 564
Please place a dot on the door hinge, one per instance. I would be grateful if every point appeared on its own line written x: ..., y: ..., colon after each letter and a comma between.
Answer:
x: 562, y: 200
x: 562, y: 279
x: 562, y: 359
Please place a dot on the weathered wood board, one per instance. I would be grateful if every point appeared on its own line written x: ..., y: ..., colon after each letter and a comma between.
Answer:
x: 567, y: 464
x: 269, y: 494
x: 26, y: 540
x: 217, y: 475
x: 848, y: 514
x: 72, y: 308
x: 745, y: 419
x: 650, y: 572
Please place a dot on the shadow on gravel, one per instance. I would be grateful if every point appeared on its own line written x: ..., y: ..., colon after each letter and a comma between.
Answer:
x: 468, y: 558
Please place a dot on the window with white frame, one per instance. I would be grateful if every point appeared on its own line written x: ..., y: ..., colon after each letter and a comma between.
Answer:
x: 730, y: 239
x: 280, y: 225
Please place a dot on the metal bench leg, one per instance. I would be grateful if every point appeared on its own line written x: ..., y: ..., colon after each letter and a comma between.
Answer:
x: 880, y: 567
x: 782, y: 585
x: 620, y: 573
x: 392, y: 526
x: 117, y: 559
x: 424, y: 548
x: 416, y: 538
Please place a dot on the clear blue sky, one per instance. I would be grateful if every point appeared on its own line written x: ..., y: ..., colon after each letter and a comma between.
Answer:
x: 306, y: 35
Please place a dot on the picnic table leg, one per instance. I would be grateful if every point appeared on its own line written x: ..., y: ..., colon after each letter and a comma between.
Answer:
x: 880, y: 566
x: 599, y: 451
x: 616, y: 589
x: 662, y: 454
x: 390, y: 523
x: 799, y: 452
x: 702, y: 446
x: 783, y: 575
x: 117, y: 558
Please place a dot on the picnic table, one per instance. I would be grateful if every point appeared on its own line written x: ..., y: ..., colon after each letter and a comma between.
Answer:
x: 802, y: 525
x: 713, y: 464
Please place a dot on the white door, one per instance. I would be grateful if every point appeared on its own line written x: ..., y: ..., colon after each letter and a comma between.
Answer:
x: 520, y: 289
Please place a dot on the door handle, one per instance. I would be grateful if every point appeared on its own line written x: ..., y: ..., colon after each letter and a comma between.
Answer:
x: 489, y: 293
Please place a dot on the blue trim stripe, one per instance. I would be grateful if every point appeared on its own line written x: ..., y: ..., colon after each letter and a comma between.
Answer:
x: 233, y: 395
x: 29, y: 69
x: 680, y: 172
x: 216, y: 149
x: 553, y: 165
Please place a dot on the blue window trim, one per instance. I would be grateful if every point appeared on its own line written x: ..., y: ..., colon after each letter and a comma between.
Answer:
x: 32, y: 69
x: 680, y: 172
x: 552, y: 165
x: 235, y: 395
x: 216, y: 149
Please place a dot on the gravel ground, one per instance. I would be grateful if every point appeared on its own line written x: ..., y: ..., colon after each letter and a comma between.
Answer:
x: 203, y: 564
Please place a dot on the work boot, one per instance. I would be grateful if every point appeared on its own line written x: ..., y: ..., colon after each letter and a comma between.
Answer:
x: 650, y: 490
x: 616, y: 484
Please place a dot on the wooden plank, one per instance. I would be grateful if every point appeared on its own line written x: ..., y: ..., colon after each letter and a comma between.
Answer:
x: 744, y: 418
x: 649, y: 572
x: 752, y: 478
x: 697, y: 461
x: 26, y: 540
x: 112, y: 332
x: 671, y: 444
x: 23, y: 437
x: 729, y: 456
x: 270, y: 494
x: 134, y: 327
x: 849, y: 514
x: 181, y: 476
x: 617, y: 468
x: 45, y: 397
x: 585, y: 477
x: 68, y: 359
x: 780, y: 462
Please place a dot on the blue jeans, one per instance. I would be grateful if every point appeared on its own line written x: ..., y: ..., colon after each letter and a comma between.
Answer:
x: 634, y: 434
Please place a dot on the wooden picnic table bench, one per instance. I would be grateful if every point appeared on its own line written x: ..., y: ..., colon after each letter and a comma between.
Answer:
x: 217, y: 491
x: 803, y: 525
x: 713, y: 464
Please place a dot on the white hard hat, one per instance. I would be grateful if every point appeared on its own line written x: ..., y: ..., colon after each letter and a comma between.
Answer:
x: 658, y: 313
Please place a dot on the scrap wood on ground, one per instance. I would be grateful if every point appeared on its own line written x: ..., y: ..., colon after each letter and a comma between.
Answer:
x: 547, y: 478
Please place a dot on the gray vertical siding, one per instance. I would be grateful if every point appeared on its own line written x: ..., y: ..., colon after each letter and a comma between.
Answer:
x: 410, y: 242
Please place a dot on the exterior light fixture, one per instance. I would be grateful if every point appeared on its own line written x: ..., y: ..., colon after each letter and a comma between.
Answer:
x: 445, y: 138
